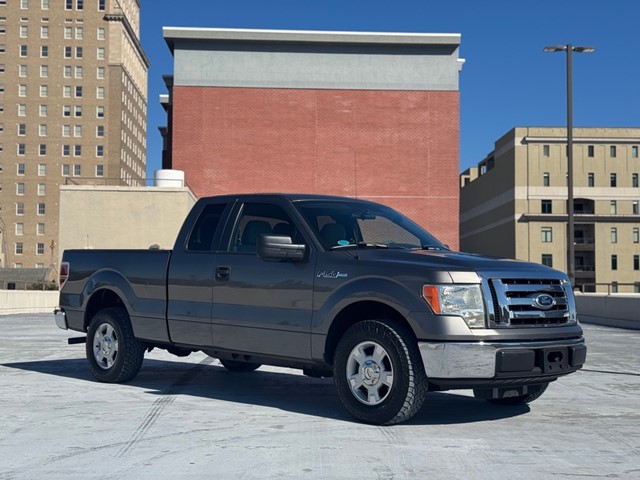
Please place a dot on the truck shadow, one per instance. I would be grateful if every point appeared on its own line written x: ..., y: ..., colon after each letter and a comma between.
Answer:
x: 278, y: 388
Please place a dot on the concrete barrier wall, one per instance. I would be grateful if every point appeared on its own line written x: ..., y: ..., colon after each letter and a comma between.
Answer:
x: 616, y: 310
x: 28, y: 301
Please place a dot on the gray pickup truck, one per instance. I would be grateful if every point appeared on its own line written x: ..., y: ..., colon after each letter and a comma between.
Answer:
x: 335, y: 287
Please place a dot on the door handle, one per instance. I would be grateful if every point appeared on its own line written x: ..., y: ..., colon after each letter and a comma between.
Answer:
x: 223, y: 273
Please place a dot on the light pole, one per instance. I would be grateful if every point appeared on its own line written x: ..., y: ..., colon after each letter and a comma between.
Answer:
x: 571, y: 261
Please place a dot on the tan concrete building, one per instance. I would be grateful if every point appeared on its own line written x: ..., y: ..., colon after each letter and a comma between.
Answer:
x: 514, y: 203
x: 73, y: 110
x: 130, y: 217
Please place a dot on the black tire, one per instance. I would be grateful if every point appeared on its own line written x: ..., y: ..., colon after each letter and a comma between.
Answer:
x: 533, y: 392
x: 114, y: 354
x: 365, y: 353
x: 237, y: 366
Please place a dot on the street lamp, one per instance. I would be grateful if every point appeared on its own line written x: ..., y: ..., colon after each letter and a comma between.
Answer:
x: 571, y: 261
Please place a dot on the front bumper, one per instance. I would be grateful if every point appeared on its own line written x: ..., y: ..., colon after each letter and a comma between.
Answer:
x: 501, y: 360
x: 61, y: 318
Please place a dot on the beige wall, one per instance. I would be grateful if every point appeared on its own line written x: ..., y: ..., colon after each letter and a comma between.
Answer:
x: 121, y: 217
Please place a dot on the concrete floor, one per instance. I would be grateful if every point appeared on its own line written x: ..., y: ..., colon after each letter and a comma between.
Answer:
x: 190, y: 418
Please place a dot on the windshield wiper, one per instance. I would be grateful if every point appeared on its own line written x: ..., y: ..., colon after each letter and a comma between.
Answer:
x: 360, y: 245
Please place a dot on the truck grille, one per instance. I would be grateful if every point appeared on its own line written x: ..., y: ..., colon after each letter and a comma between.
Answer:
x: 518, y: 302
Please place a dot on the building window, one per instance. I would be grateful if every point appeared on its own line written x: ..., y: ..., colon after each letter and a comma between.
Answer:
x: 66, y: 111
x: 68, y: 4
x: 44, y: 91
x: 100, y: 151
x: 100, y: 74
x: 78, y: 52
x: 20, y: 169
x: 547, y: 260
x: 22, y: 129
x: 79, y: 72
x: 78, y: 91
x: 40, y: 249
x: 24, y: 4
x: 22, y: 90
x: 66, y: 91
x: 546, y: 181
x: 634, y: 151
x: 100, y: 53
x: 99, y: 170
x: 18, y: 248
x: 79, y: 4
x: 77, y: 111
x: 23, y: 50
x: 101, y: 33
x: 99, y: 112
x: 79, y: 33
x: 590, y: 151
x: 66, y: 130
x: 612, y: 151
x: 44, y: 110
x: 636, y: 235
x: 65, y: 170
x: 42, y: 149
x: 77, y: 170
x: 101, y: 4
x: 614, y: 262
x: 19, y: 208
x: 24, y: 31
x: 44, y: 31
x: 45, y: 4
x: 77, y: 130
x: 67, y: 52
x: 67, y: 71
x: 100, y: 92
x: 634, y: 207
x: 19, y: 188
x: 66, y: 150
x: 613, y: 207
x: 19, y: 229
x: 614, y: 287
x: 40, y: 229
x: 100, y: 131
x: 614, y: 235
x: 22, y: 110
x: 77, y: 151
x: 22, y: 149
x: 42, y: 130
x: 634, y: 180
x: 41, y: 209
x: 546, y: 234
x: 44, y: 51
x: 591, y: 179
x: 68, y: 35
x: 22, y: 70
x: 546, y: 206
x: 545, y: 150
x: 42, y: 170
x: 614, y: 180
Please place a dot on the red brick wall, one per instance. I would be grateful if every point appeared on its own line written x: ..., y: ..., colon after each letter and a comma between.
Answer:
x: 395, y: 147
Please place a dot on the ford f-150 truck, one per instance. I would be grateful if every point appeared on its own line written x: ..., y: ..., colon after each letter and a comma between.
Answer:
x: 333, y: 286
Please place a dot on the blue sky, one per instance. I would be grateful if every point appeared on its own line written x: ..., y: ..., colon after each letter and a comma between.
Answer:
x: 506, y: 81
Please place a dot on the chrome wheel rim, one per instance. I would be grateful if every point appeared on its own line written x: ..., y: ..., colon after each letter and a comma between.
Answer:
x: 105, y: 346
x: 370, y: 373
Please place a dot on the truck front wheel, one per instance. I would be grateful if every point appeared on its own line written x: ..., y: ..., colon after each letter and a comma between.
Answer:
x: 378, y: 373
x: 114, y: 354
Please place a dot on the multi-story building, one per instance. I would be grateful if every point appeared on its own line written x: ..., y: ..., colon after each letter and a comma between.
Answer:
x: 73, y: 109
x: 372, y: 115
x: 514, y: 203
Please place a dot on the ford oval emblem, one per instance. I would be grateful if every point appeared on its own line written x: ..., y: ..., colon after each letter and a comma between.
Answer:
x: 544, y: 301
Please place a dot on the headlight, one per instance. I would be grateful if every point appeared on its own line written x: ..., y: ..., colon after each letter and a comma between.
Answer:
x: 462, y: 300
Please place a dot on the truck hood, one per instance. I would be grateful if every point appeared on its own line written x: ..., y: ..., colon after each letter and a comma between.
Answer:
x: 448, y: 260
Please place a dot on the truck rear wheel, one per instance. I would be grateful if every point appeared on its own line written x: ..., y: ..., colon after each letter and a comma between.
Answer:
x: 533, y: 392
x: 114, y: 354
x: 378, y: 373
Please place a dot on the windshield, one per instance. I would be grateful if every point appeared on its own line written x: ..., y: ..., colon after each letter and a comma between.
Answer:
x: 351, y: 224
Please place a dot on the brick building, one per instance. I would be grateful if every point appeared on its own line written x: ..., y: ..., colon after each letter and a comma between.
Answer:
x: 372, y: 115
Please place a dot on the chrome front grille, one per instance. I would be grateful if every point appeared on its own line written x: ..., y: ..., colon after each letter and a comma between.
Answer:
x: 526, y: 302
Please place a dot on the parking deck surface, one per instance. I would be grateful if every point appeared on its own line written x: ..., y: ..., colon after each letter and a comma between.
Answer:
x: 190, y: 418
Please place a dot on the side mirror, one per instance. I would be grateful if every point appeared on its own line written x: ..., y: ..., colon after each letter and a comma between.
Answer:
x: 279, y: 247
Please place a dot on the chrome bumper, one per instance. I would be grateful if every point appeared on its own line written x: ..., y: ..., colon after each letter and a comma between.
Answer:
x: 61, y: 318
x: 478, y: 360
